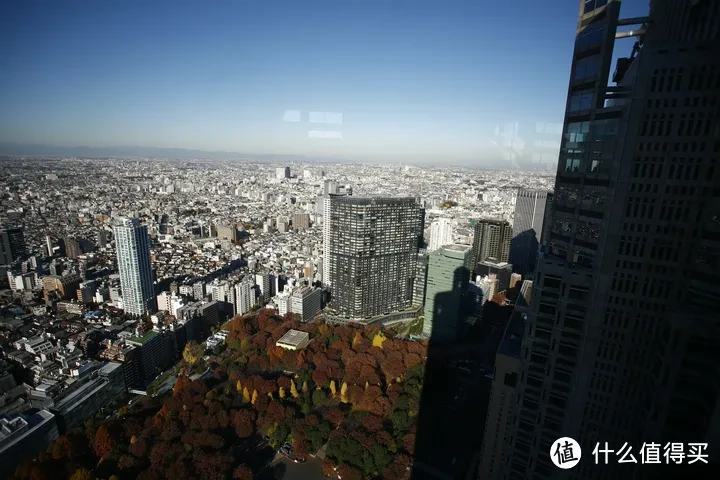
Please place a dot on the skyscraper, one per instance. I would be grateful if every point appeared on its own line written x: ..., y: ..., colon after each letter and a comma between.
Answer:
x: 491, y: 241
x: 441, y: 233
x: 371, y: 254
x: 72, y: 248
x: 618, y: 348
x: 12, y: 245
x: 245, y: 295
x: 527, y: 229
x: 446, y: 290
x: 133, y: 254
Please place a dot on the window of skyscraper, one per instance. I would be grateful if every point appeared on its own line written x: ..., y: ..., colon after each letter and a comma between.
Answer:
x: 591, y: 5
x: 590, y: 37
x: 581, y: 101
x: 586, y: 68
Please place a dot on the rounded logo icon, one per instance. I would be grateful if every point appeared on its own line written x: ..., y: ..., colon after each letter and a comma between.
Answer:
x: 565, y: 452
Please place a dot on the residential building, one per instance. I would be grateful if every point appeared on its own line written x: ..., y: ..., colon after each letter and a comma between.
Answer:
x: 441, y: 233
x: 133, y: 256
x: 154, y: 356
x: 420, y: 282
x: 282, y: 172
x: 227, y: 232
x: 72, y: 248
x: 446, y: 292
x: 372, y: 254
x: 491, y: 241
x: 245, y: 296
x: 301, y: 221
x: 305, y: 302
x: 66, y: 286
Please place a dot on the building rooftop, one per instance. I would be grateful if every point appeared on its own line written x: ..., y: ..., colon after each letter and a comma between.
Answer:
x: 294, y: 337
x: 144, y: 339
x: 457, y: 248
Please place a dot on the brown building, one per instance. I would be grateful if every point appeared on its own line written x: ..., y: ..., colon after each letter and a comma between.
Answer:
x: 66, y: 286
x: 301, y: 221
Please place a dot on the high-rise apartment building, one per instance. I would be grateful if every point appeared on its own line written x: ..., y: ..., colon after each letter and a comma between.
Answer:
x: 527, y: 232
x: 441, y: 233
x: 618, y: 347
x: 282, y: 172
x: 72, y: 248
x: 371, y: 254
x: 491, y: 241
x: 446, y: 291
x: 12, y: 245
x: 244, y: 295
x: 301, y: 221
x: 420, y: 280
x: 133, y: 255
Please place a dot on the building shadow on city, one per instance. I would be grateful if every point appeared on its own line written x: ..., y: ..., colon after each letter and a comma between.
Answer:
x: 524, y: 251
x: 455, y: 393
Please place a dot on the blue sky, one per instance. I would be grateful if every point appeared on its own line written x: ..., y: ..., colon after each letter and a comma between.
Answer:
x: 412, y: 78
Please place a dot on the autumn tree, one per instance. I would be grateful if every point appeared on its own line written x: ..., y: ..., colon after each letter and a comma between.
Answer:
x: 103, y: 441
x: 193, y: 352
x: 379, y: 339
x: 344, y: 393
x: 242, y: 472
x: 293, y: 390
x: 82, y: 474
x: 244, y: 422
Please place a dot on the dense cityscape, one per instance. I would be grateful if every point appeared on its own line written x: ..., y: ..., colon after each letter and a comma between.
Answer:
x: 293, y: 318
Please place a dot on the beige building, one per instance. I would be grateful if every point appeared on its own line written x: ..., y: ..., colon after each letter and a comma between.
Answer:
x: 293, y: 340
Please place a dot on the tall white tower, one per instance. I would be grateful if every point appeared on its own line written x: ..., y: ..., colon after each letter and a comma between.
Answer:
x: 327, y: 261
x: 133, y: 254
x: 441, y: 233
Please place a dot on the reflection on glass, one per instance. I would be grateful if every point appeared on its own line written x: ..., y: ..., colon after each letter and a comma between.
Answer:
x: 590, y: 37
x: 581, y: 101
x: 586, y: 68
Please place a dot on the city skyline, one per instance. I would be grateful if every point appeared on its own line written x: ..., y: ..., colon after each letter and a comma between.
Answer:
x: 241, y: 84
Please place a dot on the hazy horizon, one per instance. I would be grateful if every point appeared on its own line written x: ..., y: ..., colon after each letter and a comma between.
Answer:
x: 370, y: 80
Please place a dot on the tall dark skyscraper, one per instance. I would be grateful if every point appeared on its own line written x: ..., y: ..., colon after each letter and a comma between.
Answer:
x: 12, y: 246
x: 527, y: 229
x: 491, y: 241
x: 619, y: 346
x: 371, y: 253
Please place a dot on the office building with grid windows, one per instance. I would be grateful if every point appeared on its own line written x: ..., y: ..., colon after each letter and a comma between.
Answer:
x: 618, y: 347
x: 371, y: 254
